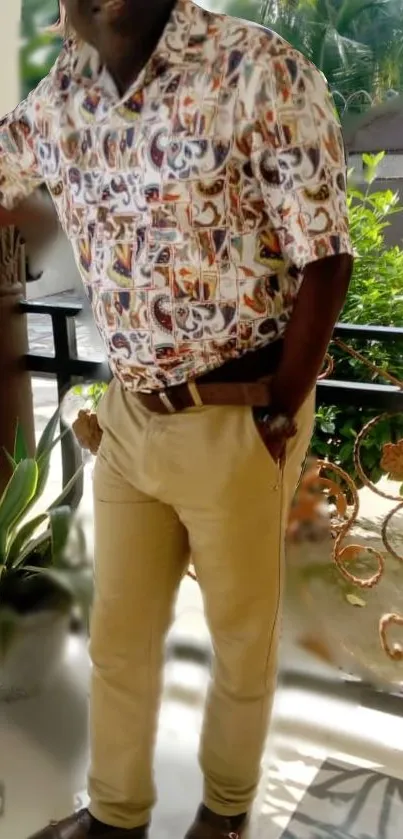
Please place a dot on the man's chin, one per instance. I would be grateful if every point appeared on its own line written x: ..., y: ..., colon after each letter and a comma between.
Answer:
x: 113, y: 13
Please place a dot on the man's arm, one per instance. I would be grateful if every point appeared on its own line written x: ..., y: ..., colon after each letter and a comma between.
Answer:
x: 300, y: 163
x: 319, y: 303
x: 20, y: 165
x: 21, y: 203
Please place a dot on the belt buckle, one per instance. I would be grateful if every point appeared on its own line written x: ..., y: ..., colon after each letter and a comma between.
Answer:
x: 193, y: 391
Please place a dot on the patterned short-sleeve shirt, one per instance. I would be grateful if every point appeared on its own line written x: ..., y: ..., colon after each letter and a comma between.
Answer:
x: 194, y: 202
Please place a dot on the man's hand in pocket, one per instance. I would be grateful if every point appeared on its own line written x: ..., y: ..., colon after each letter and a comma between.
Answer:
x: 275, y: 431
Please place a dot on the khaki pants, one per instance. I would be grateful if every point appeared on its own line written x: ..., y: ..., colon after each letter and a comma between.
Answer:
x: 199, y: 484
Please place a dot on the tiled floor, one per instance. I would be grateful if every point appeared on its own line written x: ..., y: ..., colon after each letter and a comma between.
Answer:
x: 351, y: 801
x: 324, y: 774
x: 89, y: 343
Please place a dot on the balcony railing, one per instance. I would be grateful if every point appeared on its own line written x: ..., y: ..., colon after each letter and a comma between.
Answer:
x: 68, y: 369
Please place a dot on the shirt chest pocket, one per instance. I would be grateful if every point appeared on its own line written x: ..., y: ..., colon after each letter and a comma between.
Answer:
x: 83, y: 197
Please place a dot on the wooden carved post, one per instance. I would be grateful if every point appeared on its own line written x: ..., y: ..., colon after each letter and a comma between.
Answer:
x: 15, y: 385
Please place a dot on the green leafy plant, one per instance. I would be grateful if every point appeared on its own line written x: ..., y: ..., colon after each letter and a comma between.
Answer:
x: 375, y: 297
x: 376, y: 291
x: 91, y: 393
x: 35, y: 572
x: 39, y: 45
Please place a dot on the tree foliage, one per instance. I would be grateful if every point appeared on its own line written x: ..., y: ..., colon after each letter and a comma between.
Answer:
x: 39, y: 47
x: 375, y: 297
x: 358, y: 44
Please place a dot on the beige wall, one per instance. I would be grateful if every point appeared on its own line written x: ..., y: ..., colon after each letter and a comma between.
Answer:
x: 9, y: 36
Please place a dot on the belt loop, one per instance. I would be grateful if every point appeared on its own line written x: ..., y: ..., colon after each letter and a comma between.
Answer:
x: 194, y: 392
x: 167, y: 402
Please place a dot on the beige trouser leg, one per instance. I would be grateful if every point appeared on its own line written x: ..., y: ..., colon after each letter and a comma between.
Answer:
x: 161, y: 482
x: 141, y: 553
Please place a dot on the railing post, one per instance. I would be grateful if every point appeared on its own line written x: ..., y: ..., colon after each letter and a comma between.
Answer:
x: 65, y: 345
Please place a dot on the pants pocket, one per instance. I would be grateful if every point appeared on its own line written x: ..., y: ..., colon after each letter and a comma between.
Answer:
x: 257, y: 429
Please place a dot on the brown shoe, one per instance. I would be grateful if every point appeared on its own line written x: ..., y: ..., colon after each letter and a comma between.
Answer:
x: 79, y: 827
x: 210, y: 826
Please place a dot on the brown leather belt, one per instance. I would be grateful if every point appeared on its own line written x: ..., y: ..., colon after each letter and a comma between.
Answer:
x: 221, y: 387
x: 196, y: 394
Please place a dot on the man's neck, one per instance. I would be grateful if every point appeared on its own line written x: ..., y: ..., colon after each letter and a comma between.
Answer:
x: 125, y: 65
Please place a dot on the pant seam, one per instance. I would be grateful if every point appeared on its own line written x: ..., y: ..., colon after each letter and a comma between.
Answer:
x: 279, y: 575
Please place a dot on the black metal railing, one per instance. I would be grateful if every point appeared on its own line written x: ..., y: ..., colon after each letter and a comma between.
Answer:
x: 68, y: 369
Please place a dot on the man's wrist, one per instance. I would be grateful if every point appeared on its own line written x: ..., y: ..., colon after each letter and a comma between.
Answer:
x: 285, y: 399
x: 278, y: 425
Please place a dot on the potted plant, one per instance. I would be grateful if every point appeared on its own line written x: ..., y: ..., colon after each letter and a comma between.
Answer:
x: 39, y: 582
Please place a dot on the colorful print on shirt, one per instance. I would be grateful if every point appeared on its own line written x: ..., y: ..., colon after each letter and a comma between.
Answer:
x: 194, y: 202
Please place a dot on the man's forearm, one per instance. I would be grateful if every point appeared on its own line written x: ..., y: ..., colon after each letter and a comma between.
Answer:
x: 319, y: 303
x: 35, y: 218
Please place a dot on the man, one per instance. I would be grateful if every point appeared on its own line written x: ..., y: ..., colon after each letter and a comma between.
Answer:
x: 197, y: 167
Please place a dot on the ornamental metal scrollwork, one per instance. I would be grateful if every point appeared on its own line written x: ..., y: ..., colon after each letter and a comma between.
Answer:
x: 395, y: 652
x: 346, y: 513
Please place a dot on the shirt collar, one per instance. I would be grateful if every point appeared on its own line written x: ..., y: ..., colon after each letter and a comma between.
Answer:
x: 186, y: 29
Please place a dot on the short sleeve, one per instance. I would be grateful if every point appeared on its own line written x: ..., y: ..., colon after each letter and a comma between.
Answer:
x: 300, y: 162
x: 20, y: 169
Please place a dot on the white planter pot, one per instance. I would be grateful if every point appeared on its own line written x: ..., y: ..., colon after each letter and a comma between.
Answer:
x: 34, y: 655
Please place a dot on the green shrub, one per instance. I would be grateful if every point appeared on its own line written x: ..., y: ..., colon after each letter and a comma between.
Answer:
x: 375, y: 297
